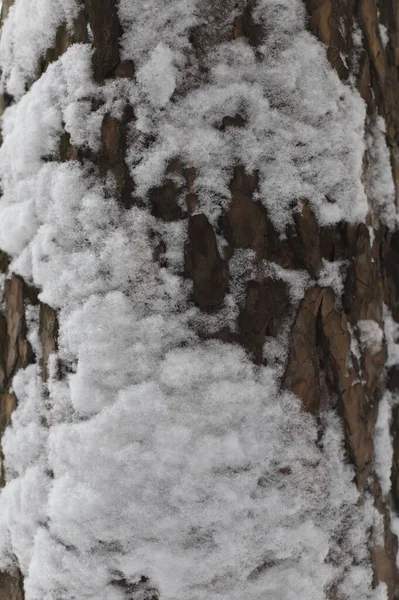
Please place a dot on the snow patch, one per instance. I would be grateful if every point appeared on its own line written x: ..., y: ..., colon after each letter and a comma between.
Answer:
x: 303, y: 134
x: 332, y: 276
x: 371, y: 335
x: 158, y: 76
x: 383, y: 450
x: 32, y: 315
x: 391, y: 330
x: 28, y: 31
x: 381, y: 187
x: 384, y: 34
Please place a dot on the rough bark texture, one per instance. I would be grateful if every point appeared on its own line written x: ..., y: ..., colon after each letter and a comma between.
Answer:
x: 320, y: 362
x: 372, y: 278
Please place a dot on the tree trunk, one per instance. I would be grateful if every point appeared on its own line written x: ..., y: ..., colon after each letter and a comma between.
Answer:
x: 198, y: 230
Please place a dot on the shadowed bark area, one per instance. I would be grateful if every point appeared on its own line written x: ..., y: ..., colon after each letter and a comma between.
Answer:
x: 320, y: 362
x: 106, y: 29
x: 11, y: 586
x: 207, y: 270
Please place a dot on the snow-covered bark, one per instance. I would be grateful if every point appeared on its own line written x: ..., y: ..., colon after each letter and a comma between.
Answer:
x: 199, y: 199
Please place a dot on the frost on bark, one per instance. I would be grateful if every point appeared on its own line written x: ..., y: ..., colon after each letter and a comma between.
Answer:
x: 172, y: 281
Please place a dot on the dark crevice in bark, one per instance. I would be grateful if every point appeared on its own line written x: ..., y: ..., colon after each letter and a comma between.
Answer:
x: 266, y: 306
x: 48, y: 331
x: 11, y: 585
x: 106, y: 30
x: 207, y: 269
x: 245, y: 26
x: 111, y: 158
x: 166, y: 200
x: 142, y: 589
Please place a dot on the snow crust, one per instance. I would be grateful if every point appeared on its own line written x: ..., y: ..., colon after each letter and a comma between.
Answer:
x: 158, y: 454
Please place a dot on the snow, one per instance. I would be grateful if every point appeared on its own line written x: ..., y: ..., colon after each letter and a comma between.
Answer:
x: 3, y: 278
x: 371, y: 335
x: 381, y: 187
x: 158, y: 76
x: 24, y: 498
x: 205, y: 522
x: 28, y: 31
x: 383, y: 29
x: 281, y: 144
x: 395, y: 529
x: 332, y: 276
x: 32, y: 324
x: 384, y: 34
x: 146, y: 23
x: 357, y: 38
x: 383, y: 451
x: 297, y: 281
x: 391, y: 330
x: 160, y: 454
x: 285, y: 99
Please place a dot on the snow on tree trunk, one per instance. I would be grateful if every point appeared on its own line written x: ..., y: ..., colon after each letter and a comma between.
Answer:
x: 199, y: 335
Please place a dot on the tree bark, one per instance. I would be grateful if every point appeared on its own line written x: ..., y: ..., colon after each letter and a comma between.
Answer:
x: 320, y: 363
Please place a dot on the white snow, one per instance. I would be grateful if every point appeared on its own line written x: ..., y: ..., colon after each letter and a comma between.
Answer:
x: 371, y: 335
x: 3, y: 278
x: 384, y: 34
x: 160, y: 454
x: 391, y: 330
x: 24, y: 498
x: 357, y: 38
x: 380, y: 185
x: 383, y: 29
x: 383, y: 451
x: 158, y: 76
x: 304, y: 128
x: 32, y: 313
x: 27, y: 33
x: 332, y: 276
x: 146, y: 23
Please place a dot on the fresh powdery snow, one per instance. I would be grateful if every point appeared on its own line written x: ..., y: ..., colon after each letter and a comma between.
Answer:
x: 304, y: 130
x: 28, y: 31
x: 160, y: 455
